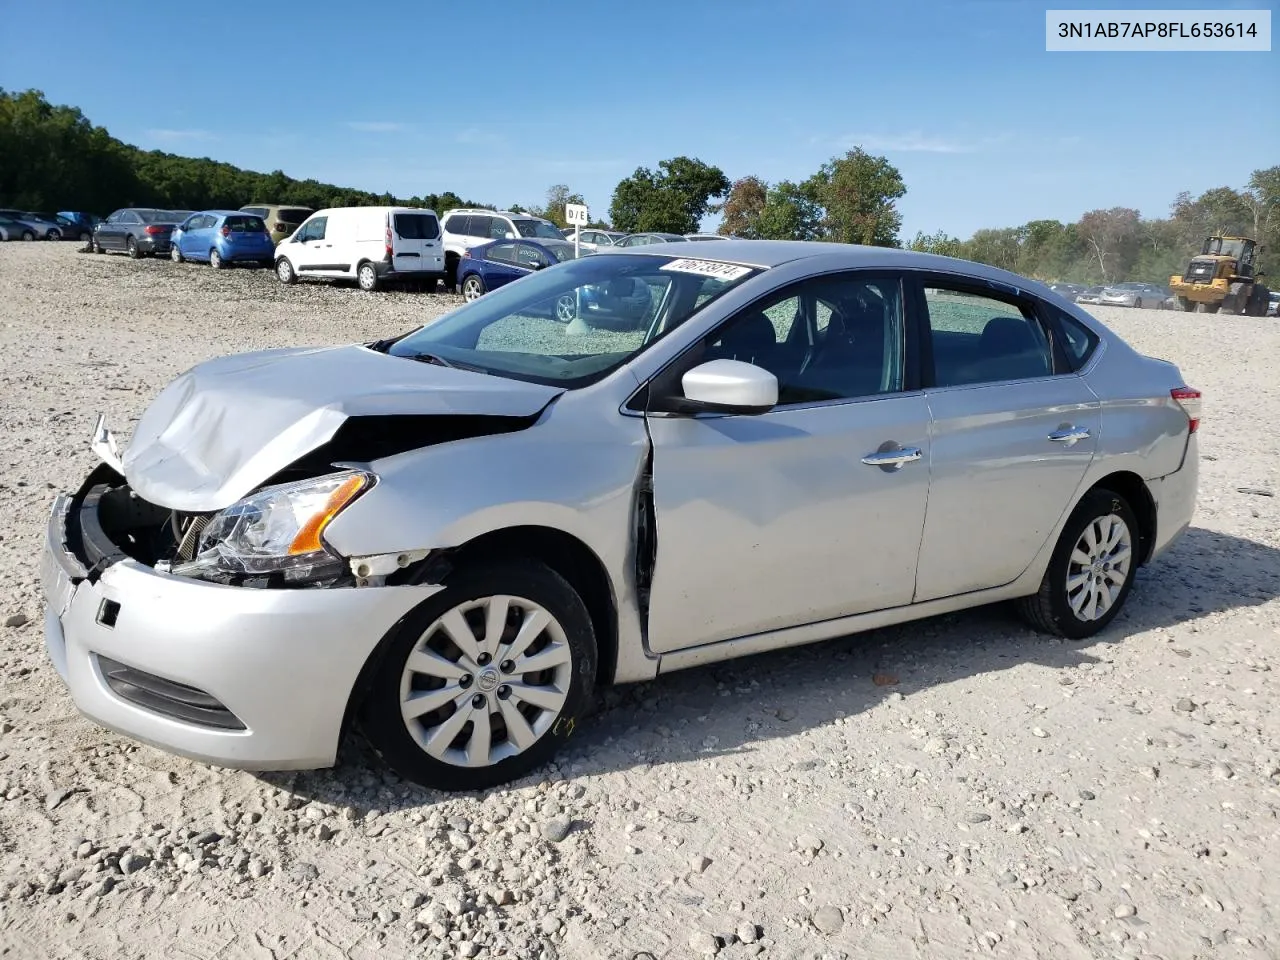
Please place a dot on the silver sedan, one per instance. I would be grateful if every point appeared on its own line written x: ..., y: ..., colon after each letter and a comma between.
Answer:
x: 454, y: 535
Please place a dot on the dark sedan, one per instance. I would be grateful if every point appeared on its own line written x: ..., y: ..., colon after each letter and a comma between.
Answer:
x: 137, y: 231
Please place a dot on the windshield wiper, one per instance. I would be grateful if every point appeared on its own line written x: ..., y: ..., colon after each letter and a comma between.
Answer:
x: 429, y: 358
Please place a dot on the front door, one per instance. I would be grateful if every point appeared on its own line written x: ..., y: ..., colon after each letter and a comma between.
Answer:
x: 813, y: 510
x: 307, y: 247
x: 1013, y: 432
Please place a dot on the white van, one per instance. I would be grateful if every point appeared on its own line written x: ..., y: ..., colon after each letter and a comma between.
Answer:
x: 371, y: 245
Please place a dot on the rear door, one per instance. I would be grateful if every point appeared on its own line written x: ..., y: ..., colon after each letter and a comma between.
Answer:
x: 417, y: 244
x: 1013, y: 430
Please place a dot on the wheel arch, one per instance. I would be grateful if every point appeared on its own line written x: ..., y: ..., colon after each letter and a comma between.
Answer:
x: 564, y: 553
x: 1134, y: 489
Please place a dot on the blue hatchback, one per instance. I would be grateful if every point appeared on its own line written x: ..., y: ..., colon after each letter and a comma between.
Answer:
x: 222, y: 237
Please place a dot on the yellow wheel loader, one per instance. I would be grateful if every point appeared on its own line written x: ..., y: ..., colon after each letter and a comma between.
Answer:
x: 1221, y: 278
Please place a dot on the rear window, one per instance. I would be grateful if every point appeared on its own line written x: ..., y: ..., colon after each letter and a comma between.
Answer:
x: 417, y: 226
x: 246, y: 225
x: 158, y: 216
x: 294, y: 215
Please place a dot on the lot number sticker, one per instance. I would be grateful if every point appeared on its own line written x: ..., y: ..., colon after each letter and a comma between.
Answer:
x: 708, y: 268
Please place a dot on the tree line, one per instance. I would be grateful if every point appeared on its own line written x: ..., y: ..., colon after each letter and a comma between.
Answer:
x: 52, y: 157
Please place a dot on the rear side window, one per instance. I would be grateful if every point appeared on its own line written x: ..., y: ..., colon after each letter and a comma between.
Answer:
x: 984, y: 338
x: 246, y: 225
x: 478, y: 226
x: 417, y: 226
x: 1078, y: 341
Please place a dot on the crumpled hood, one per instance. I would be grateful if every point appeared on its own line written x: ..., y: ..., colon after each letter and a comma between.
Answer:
x: 226, y: 426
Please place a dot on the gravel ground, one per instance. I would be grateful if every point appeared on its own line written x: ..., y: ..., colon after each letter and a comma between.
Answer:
x: 940, y: 789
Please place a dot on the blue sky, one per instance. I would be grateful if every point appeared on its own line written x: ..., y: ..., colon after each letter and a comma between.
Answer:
x: 987, y: 128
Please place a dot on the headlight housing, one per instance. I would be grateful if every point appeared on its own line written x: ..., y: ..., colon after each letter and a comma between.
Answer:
x: 277, y: 530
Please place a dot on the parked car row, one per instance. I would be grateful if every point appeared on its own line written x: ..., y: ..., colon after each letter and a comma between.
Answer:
x: 1131, y: 294
x: 39, y: 225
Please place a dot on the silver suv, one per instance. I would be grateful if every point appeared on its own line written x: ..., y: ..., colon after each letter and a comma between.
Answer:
x: 467, y: 228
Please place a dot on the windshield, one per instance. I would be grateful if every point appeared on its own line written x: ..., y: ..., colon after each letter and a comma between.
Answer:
x: 573, y: 323
x: 561, y: 250
x: 158, y: 216
x: 538, y: 228
x: 1226, y: 248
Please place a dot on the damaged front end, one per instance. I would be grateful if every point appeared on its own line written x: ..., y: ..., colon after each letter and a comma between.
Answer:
x: 273, y: 536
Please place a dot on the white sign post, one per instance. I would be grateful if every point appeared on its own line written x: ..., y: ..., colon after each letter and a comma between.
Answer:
x: 576, y: 214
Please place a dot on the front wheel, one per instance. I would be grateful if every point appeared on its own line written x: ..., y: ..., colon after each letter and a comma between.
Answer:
x: 367, y: 277
x: 483, y: 682
x: 1091, y: 571
x: 472, y: 287
x: 284, y: 271
x: 175, y: 254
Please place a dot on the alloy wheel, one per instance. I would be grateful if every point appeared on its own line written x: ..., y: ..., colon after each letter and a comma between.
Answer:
x: 471, y: 289
x: 566, y: 308
x: 1099, y: 566
x: 485, y: 681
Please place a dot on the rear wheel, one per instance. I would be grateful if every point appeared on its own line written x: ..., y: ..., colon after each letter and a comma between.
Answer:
x: 1091, y: 571
x: 132, y: 249
x: 284, y: 271
x: 85, y: 236
x: 215, y: 259
x: 28, y: 235
x: 367, y: 277
x: 472, y: 287
x: 483, y: 682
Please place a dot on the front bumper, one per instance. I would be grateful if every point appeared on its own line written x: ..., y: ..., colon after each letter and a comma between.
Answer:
x: 282, y: 662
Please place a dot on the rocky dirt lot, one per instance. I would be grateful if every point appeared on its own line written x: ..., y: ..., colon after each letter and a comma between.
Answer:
x: 942, y: 789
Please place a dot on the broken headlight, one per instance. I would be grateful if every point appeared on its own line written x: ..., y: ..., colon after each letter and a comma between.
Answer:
x: 276, y: 531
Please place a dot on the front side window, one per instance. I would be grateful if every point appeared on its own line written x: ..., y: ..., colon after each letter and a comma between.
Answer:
x: 837, y: 337
x: 502, y: 252
x: 314, y: 230
x: 984, y: 338
x: 575, y: 322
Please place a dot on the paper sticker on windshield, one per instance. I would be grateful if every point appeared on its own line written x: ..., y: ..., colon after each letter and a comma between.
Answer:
x: 708, y: 268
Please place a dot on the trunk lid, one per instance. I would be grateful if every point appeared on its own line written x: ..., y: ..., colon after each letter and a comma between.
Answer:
x: 224, y: 427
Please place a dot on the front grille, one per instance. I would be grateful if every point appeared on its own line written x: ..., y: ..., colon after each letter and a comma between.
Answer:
x: 1201, y: 271
x: 175, y: 700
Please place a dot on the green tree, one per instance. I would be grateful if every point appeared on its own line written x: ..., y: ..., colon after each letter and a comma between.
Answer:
x: 791, y: 212
x: 858, y: 194
x: 742, y: 208
x: 558, y: 197
x: 940, y: 243
x: 1112, y: 238
x: 673, y: 199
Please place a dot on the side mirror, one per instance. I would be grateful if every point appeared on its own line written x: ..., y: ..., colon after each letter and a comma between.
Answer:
x: 728, y: 386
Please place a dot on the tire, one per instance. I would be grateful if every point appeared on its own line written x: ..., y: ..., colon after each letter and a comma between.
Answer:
x: 284, y: 271
x: 215, y: 260
x: 367, y: 277
x: 132, y: 249
x: 175, y: 254
x: 1052, y: 608
x: 567, y: 641
x: 472, y: 287
x: 1137, y: 303
x: 85, y: 236
x: 53, y: 236
x: 28, y: 235
x: 1188, y: 306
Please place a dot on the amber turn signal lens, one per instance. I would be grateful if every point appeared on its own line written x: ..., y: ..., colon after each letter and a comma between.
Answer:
x: 308, y: 538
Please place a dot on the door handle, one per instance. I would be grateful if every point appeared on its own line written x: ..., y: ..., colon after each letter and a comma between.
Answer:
x: 1069, y: 435
x: 892, y: 459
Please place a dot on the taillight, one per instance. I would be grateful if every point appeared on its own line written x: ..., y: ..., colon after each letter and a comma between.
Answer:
x: 152, y: 230
x: 280, y: 227
x: 225, y: 231
x: 1189, y: 400
x: 388, y: 236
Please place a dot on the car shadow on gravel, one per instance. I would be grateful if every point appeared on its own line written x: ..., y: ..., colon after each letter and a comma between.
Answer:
x: 728, y: 707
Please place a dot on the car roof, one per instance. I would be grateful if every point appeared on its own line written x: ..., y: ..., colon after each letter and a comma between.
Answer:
x: 773, y: 253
